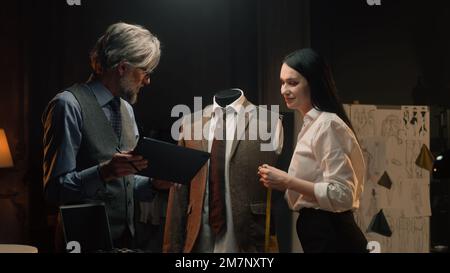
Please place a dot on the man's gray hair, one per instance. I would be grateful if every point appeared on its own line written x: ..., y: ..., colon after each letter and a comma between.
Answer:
x: 125, y: 42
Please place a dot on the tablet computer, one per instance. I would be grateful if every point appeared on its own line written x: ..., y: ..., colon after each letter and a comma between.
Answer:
x: 170, y: 162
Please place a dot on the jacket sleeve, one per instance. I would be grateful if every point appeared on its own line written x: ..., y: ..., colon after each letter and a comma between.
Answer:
x: 176, y: 217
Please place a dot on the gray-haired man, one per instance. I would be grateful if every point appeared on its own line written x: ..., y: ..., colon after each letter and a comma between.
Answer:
x: 87, y: 124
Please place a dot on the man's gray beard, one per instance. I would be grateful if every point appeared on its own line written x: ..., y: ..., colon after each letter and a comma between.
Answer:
x: 129, y: 96
x: 126, y: 92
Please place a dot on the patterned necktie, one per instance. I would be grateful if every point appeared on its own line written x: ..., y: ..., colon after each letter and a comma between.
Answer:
x: 116, y: 119
x: 217, y: 213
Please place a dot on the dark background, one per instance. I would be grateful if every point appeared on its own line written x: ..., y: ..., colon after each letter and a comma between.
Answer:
x: 394, y: 54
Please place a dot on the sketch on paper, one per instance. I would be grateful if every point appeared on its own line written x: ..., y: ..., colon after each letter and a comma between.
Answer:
x: 363, y: 120
x: 413, y: 147
x: 373, y: 149
x: 391, y: 140
x: 392, y: 132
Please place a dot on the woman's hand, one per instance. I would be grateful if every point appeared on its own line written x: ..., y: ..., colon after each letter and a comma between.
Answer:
x: 273, y: 178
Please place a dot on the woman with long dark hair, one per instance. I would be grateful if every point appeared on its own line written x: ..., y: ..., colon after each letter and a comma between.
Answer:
x: 326, y: 174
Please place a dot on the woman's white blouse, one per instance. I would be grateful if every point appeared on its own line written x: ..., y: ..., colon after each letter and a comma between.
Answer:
x: 327, y: 154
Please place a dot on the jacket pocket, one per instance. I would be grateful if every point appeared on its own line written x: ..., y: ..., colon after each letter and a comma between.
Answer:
x: 257, y: 225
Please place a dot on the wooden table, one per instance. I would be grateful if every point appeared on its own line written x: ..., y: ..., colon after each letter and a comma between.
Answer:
x: 8, y: 248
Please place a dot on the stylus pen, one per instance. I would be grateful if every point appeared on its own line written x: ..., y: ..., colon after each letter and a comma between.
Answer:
x: 134, y: 166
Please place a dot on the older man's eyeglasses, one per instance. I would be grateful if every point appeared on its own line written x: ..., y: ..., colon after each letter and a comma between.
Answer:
x: 143, y: 70
x: 146, y: 72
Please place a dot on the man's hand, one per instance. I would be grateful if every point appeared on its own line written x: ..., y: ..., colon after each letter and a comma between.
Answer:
x: 122, y: 165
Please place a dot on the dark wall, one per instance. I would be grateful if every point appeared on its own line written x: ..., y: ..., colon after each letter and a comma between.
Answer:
x: 206, y: 46
x: 378, y: 52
